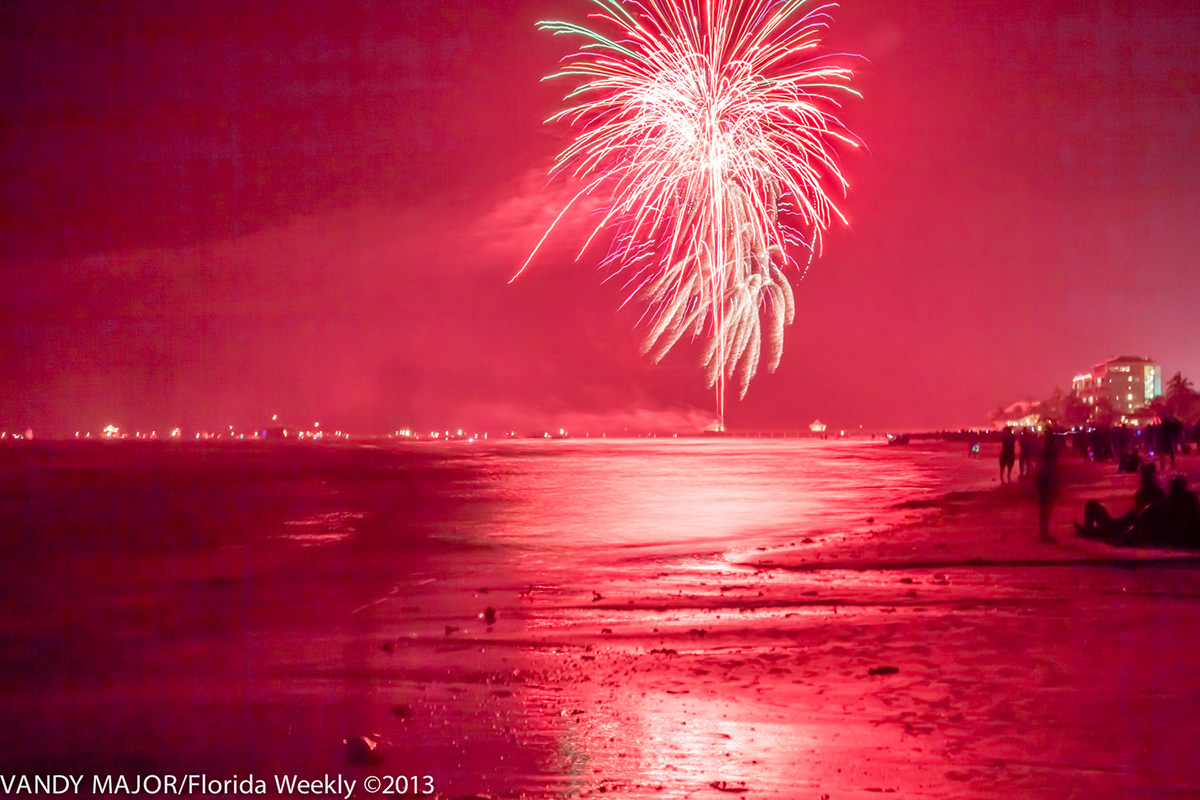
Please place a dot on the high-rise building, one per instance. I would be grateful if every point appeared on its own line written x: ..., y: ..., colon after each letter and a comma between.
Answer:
x: 1128, y: 383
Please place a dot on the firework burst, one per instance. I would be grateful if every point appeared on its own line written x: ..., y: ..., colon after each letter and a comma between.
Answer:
x: 708, y: 129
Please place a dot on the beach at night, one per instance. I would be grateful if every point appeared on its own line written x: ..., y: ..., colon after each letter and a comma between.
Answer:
x: 674, y: 618
x: 481, y: 399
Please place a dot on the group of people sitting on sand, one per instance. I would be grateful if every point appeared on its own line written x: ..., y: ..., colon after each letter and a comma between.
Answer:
x: 1157, y: 519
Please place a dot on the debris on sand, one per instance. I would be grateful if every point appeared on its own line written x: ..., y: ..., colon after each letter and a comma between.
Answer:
x: 489, y: 615
x: 362, y: 750
x: 388, y: 647
x: 883, y: 670
x: 402, y: 710
x: 451, y: 629
x: 732, y: 788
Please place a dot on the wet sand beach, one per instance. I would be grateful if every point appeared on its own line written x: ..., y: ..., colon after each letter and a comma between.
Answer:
x: 840, y: 620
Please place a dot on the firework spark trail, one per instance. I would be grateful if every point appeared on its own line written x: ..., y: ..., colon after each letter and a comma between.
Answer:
x: 709, y: 127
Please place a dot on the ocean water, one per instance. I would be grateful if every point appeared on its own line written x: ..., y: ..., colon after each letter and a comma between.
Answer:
x: 546, y: 504
x: 153, y: 538
x: 222, y: 607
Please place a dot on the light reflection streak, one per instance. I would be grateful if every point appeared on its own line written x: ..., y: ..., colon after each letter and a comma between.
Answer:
x: 674, y: 744
x: 698, y: 499
x: 665, y: 524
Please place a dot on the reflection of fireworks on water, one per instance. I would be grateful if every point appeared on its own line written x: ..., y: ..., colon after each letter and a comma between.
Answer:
x: 709, y: 122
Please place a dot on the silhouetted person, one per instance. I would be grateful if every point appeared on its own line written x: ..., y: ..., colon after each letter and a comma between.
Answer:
x: 1171, y: 522
x: 1131, y: 462
x: 1119, y: 441
x: 1185, y: 512
x: 1079, y: 444
x: 1025, y: 447
x: 1170, y: 431
x: 1008, y: 453
x: 1047, y: 484
x: 1149, y: 491
x: 1153, y: 439
x: 1099, y: 524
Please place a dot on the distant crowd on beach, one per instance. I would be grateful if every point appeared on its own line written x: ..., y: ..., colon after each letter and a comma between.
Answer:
x: 1101, y: 443
x: 1158, y: 518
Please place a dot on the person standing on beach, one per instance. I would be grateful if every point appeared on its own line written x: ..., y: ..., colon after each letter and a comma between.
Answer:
x: 1026, y: 449
x: 1047, y: 484
x: 1008, y: 453
x: 1170, y: 433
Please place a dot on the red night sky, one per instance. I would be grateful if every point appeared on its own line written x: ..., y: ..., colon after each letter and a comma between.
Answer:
x: 216, y: 211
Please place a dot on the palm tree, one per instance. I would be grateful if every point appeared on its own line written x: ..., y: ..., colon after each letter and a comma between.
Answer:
x: 1075, y: 411
x: 1179, y: 386
x: 1181, y: 399
x: 1104, y: 412
x: 997, y: 416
